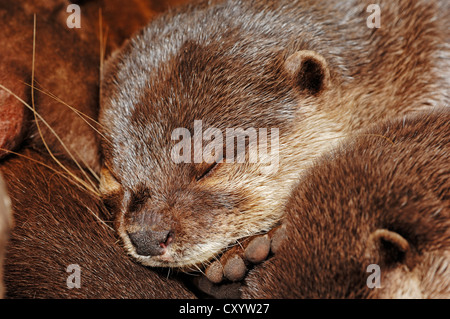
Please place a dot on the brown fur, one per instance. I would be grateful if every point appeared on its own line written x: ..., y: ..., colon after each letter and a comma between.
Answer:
x: 56, y: 227
x: 5, y: 225
x: 67, y: 65
x: 13, y: 115
x: 369, y: 202
x: 122, y: 20
x: 228, y: 63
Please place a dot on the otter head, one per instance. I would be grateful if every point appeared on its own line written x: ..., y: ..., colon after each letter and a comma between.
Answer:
x: 409, y: 267
x: 182, y: 186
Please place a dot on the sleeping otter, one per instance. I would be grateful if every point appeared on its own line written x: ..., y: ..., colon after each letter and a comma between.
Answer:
x: 380, y: 200
x: 313, y: 70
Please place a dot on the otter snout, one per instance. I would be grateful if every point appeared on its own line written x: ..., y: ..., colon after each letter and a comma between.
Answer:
x: 151, y: 243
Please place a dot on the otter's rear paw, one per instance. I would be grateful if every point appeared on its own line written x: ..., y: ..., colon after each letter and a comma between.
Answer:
x: 235, y: 262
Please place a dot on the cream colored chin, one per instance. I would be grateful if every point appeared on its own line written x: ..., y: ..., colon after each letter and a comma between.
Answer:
x: 170, y: 261
x: 200, y: 255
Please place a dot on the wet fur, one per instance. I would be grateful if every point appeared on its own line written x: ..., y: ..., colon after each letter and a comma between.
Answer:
x: 365, y: 185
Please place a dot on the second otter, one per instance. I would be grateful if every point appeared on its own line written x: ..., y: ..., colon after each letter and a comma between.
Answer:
x: 369, y: 220
x: 314, y: 70
x: 5, y: 225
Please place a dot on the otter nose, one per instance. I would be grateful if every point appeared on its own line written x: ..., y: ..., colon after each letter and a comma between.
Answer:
x: 150, y: 242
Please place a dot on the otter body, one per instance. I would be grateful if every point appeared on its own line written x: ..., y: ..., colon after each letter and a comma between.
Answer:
x: 59, y: 224
x: 59, y: 234
x: 5, y: 225
x: 312, y: 69
x: 369, y: 206
x: 67, y: 66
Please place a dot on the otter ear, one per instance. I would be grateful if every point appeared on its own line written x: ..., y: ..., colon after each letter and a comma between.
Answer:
x: 309, y: 71
x: 390, y: 247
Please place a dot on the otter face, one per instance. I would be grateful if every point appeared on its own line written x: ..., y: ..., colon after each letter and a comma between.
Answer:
x: 179, y: 201
x: 178, y: 219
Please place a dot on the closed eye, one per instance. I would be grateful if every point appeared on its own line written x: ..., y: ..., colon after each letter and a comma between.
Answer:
x: 208, y: 171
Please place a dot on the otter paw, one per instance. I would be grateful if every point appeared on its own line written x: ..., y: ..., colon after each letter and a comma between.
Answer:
x: 235, y: 262
x: 223, y: 278
x: 278, y: 236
